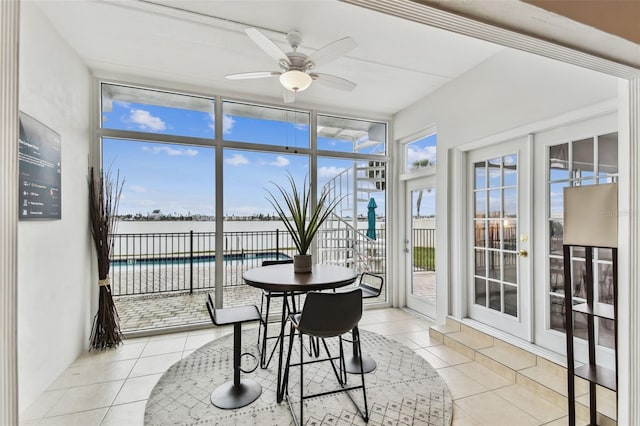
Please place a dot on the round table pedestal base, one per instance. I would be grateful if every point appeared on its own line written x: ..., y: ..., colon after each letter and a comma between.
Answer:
x: 352, y: 364
x: 227, y: 396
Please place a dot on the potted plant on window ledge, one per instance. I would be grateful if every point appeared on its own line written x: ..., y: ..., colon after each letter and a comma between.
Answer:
x: 301, y: 220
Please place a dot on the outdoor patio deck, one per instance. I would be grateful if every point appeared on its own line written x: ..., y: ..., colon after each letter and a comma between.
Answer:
x: 156, y: 313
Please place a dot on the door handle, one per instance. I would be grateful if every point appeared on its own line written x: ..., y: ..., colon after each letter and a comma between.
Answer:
x: 523, y: 253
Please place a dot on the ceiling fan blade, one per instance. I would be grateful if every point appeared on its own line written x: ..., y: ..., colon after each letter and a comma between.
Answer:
x: 264, y: 43
x: 289, y: 96
x: 334, y: 81
x: 255, y: 74
x: 332, y: 51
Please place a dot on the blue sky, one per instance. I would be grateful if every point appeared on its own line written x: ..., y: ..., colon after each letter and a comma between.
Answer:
x: 179, y: 179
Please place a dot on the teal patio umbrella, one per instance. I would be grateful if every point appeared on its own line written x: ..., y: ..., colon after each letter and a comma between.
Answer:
x: 371, y: 219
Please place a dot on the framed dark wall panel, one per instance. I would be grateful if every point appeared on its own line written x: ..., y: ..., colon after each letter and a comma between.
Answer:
x: 39, y: 171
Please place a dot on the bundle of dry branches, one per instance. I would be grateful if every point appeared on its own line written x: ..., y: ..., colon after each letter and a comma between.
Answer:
x: 104, y: 196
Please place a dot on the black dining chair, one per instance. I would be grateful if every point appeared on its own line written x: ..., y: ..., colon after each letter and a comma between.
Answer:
x: 323, y: 316
x: 239, y: 392
x: 263, y: 329
x: 371, y: 286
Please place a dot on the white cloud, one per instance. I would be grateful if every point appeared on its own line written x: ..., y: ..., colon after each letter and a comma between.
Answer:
x: 329, y: 172
x: 137, y: 189
x: 428, y: 152
x: 280, y: 162
x: 237, y: 160
x: 227, y: 122
x: 146, y: 121
x: 122, y: 104
x: 174, y: 152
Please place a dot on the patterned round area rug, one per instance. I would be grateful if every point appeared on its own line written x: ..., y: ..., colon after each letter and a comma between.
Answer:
x: 403, y: 390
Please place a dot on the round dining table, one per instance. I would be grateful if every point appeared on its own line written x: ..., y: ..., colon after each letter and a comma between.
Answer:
x: 282, y: 278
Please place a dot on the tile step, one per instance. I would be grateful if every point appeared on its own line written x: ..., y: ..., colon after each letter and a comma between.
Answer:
x: 536, y: 374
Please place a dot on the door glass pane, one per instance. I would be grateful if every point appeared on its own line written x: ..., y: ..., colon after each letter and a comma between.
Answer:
x: 480, y: 180
x: 556, y: 313
x: 495, y: 301
x: 494, y: 264
x: 510, y: 267
x: 556, y: 275
x: 423, y: 224
x: 510, y: 175
x: 480, y: 229
x: 605, y: 283
x: 510, y: 234
x: 555, y: 237
x: 495, y: 203
x: 510, y: 203
x: 481, y: 291
x: 559, y: 162
x: 494, y: 172
x: 578, y: 279
x: 583, y: 159
x: 510, y: 300
x: 556, y: 197
x: 606, y: 333
x: 481, y: 263
x: 480, y: 204
x: 608, y: 154
x: 496, y: 239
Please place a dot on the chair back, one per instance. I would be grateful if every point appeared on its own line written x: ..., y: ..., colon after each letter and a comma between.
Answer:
x: 371, y: 284
x: 330, y: 314
x: 276, y: 262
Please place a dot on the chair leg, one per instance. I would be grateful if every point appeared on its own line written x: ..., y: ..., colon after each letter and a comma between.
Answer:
x: 287, y: 366
x: 301, y: 379
x: 262, y: 324
x: 263, y: 352
x: 364, y: 389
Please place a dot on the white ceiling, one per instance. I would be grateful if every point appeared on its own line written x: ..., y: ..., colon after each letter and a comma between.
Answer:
x: 197, y: 43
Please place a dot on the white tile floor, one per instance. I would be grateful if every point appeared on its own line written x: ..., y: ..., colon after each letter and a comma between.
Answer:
x: 111, y: 388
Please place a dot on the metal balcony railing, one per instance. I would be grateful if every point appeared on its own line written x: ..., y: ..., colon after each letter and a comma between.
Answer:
x: 185, y: 261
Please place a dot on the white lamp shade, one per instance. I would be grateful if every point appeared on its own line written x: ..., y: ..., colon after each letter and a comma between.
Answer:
x: 295, y: 81
x: 591, y: 215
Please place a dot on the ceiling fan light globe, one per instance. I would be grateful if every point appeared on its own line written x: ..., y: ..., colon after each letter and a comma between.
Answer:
x: 295, y: 81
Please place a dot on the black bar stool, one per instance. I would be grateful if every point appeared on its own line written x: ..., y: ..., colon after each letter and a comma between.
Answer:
x: 239, y: 392
x: 371, y: 286
x: 326, y: 315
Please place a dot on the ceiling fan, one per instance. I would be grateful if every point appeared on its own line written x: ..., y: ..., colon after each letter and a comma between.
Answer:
x: 296, y: 68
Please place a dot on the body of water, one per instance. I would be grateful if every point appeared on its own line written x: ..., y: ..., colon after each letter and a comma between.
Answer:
x: 161, y: 226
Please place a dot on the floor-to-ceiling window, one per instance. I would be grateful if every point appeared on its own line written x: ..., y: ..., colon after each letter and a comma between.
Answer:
x: 165, y: 145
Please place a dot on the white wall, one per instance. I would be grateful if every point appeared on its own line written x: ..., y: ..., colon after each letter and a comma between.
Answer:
x: 508, y: 91
x: 55, y: 284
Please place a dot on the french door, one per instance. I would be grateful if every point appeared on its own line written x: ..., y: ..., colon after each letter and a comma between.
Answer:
x: 420, y: 245
x: 498, y: 218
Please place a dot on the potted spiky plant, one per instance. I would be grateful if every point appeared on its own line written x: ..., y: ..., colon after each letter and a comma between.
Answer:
x: 294, y: 209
